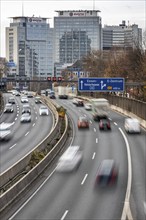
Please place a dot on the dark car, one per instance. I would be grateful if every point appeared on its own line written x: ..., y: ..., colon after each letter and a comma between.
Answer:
x: 52, y: 96
x: 107, y: 173
x: 79, y: 103
x: 104, y: 124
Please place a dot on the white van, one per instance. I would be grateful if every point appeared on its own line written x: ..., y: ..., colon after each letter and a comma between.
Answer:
x: 132, y: 125
x: 70, y: 160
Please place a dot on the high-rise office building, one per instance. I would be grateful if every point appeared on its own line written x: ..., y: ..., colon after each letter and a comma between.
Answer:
x: 76, y: 33
x: 122, y: 36
x: 29, y: 44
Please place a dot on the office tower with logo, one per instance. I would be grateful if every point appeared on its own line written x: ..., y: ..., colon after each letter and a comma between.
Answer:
x: 29, y: 44
x: 76, y: 33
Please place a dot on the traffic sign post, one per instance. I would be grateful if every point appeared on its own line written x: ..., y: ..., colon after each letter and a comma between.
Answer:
x: 101, y: 84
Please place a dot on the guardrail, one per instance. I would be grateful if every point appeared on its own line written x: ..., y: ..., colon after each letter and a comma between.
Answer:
x: 20, y: 165
x: 12, y: 193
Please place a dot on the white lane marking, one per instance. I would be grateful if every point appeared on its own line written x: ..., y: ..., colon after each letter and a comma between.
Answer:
x: 93, y: 155
x: 36, y: 118
x: 96, y: 140
x: 115, y: 123
x: 95, y: 129
x: 126, y: 210
x: 27, y: 201
x: 33, y: 125
x: 12, y: 146
x: 85, y: 115
x: 15, y: 119
x: 17, y: 115
x: 110, y: 119
x: 91, y: 122
x: 144, y: 204
x: 64, y: 215
x: 27, y: 133
x: 84, y: 179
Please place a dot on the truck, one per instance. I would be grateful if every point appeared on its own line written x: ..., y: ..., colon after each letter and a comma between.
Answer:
x: 100, y: 108
x: 62, y: 92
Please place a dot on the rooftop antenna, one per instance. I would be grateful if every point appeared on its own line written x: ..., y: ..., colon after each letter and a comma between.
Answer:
x: 93, y: 5
x: 22, y: 10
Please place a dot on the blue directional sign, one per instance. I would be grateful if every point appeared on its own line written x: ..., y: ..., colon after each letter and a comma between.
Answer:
x: 101, y: 84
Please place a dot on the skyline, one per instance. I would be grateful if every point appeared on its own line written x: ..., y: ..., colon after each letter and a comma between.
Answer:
x: 133, y: 12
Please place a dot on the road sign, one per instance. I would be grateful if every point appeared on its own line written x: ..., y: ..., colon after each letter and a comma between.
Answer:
x: 101, y: 84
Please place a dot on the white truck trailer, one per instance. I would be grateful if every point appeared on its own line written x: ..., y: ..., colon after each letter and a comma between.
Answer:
x: 62, y: 92
x: 100, y: 108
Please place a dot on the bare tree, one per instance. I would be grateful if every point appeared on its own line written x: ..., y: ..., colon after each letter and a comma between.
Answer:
x: 94, y: 63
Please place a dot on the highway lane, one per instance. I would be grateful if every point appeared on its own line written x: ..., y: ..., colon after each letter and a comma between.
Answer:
x: 137, y: 143
x: 74, y: 196
x: 25, y: 136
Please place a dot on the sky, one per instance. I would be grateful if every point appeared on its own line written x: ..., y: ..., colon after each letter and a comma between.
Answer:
x: 113, y: 12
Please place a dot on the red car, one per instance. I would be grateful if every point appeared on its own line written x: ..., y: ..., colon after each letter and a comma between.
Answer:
x: 104, y: 124
x: 83, y: 122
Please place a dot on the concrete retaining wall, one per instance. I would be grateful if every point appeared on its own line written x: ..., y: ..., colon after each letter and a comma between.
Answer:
x: 10, y: 195
x: 22, y: 163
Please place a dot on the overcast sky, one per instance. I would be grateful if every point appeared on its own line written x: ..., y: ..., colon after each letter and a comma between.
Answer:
x: 112, y: 11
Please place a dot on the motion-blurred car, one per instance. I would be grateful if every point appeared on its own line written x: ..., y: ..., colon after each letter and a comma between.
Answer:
x: 132, y: 125
x: 43, y: 110
x: 104, y: 124
x: 26, y: 117
x: 144, y: 204
x: 78, y: 102
x: 107, y: 173
x: 88, y: 106
x: 74, y: 101
x: 11, y: 100
x: 8, y: 108
x: 24, y: 99
x: 5, y: 131
x: 83, y: 122
x: 70, y: 160
x: 52, y: 96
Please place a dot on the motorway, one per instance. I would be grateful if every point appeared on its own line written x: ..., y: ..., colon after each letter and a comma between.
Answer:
x: 25, y: 136
x: 73, y: 195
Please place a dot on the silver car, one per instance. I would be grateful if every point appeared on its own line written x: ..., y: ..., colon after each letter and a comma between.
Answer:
x: 43, y: 110
x: 5, y: 131
x: 24, y: 99
x: 70, y: 160
x: 26, y: 117
x: 8, y: 108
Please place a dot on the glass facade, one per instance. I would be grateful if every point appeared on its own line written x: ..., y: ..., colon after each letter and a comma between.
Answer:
x: 34, y: 46
x: 121, y: 36
x: 76, y: 33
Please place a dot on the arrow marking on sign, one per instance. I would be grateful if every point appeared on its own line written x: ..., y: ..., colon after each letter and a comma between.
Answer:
x: 102, y: 85
x: 81, y: 84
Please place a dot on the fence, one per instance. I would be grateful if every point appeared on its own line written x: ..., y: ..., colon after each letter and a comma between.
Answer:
x: 132, y: 105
